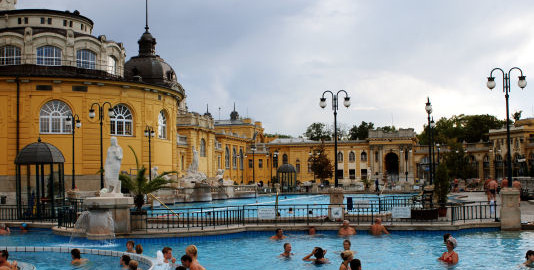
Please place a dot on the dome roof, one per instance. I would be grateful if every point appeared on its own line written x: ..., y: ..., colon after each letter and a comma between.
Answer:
x: 149, y: 67
x: 286, y: 168
x: 39, y: 152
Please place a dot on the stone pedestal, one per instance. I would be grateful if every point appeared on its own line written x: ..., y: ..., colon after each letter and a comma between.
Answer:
x: 119, y: 207
x: 336, y: 202
x: 201, y: 193
x: 510, y: 211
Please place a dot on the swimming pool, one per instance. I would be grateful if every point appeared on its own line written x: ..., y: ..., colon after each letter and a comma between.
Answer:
x: 478, y: 249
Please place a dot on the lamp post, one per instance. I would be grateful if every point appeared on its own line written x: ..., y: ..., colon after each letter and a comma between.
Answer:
x: 253, y: 148
x: 74, y: 122
x: 405, y: 151
x: 275, y: 154
x: 437, y: 146
x: 335, y: 106
x: 432, y: 127
x: 522, y: 83
x: 111, y: 114
x: 149, y: 133
x: 428, y: 108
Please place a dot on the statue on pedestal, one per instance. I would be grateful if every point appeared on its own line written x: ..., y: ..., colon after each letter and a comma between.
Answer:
x: 112, y: 167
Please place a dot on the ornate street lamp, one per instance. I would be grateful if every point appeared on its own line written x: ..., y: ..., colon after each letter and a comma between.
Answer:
x: 522, y: 83
x: 335, y: 106
x: 149, y: 133
x: 428, y: 108
x: 253, y: 148
x: 92, y: 115
x: 74, y: 122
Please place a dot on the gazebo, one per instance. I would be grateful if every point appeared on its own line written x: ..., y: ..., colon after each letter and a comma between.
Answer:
x: 287, y: 177
x: 42, y: 162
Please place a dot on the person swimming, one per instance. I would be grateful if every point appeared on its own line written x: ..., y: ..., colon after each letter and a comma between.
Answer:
x: 287, y: 251
x: 318, y: 253
x: 77, y: 257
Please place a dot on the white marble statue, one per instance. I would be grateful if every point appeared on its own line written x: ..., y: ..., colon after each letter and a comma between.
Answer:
x: 194, y: 164
x: 154, y: 172
x: 112, y: 167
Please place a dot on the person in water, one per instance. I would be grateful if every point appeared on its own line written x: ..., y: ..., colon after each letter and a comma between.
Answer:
x: 378, y: 228
x: 192, y: 251
x: 346, y: 246
x: 346, y: 229
x: 355, y: 264
x: 347, y: 257
x: 529, y: 259
x: 125, y: 260
x: 450, y: 256
x: 133, y: 265
x: 318, y: 253
x: 287, y: 251
x: 130, y: 246
x: 139, y: 249
x: 77, y: 257
x: 446, y: 237
x: 279, y: 235
x: 167, y: 255
x: 312, y: 231
x: 4, y: 264
x: 4, y: 229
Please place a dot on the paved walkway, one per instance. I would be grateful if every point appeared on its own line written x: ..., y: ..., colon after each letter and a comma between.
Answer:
x: 527, y: 208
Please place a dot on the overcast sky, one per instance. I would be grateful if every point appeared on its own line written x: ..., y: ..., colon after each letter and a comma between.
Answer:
x: 275, y: 58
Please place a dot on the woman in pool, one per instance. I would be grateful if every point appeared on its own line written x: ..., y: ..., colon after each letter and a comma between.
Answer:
x: 318, y: 253
x: 450, y: 256
x: 346, y: 256
x: 530, y: 258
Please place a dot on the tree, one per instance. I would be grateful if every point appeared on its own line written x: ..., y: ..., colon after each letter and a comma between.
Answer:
x: 362, y: 131
x: 441, y: 184
x: 321, y: 166
x: 517, y: 115
x: 140, y: 186
x: 458, y: 163
x: 387, y: 128
x: 318, y: 132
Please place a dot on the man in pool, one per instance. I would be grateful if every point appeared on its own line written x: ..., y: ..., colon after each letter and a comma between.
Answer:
x: 77, y: 257
x: 4, y: 229
x: 192, y: 251
x: 125, y: 260
x: 312, y: 230
x: 4, y: 264
x: 186, y: 261
x: 378, y: 228
x: 287, y: 251
x: 130, y: 246
x: 279, y: 235
x: 167, y: 255
x: 346, y: 229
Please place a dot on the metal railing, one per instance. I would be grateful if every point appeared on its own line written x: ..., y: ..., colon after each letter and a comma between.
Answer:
x: 42, y: 213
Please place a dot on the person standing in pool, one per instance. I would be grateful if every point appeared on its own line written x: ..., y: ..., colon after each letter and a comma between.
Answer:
x: 167, y: 255
x: 4, y: 264
x: 4, y: 229
x: 346, y: 246
x: 318, y: 253
x: 287, y: 251
x: 346, y: 229
x: 355, y: 264
x: 279, y: 235
x: 77, y: 257
x: 139, y: 249
x: 450, y: 256
x: 378, y: 228
x: 312, y: 230
x: 346, y: 256
x: 192, y: 251
x: 529, y: 259
x: 130, y: 246
x: 125, y: 260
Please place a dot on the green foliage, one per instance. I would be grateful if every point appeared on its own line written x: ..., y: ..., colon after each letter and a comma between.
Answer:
x: 457, y: 162
x: 441, y: 183
x: 517, y: 115
x: 140, y: 186
x: 318, y: 132
x: 361, y: 131
x: 321, y: 166
x: 387, y: 129
x: 468, y: 128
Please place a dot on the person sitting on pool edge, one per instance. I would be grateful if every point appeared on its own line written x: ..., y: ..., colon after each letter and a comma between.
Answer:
x: 77, y: 257
x: 130, y: 246
x: 192, y: 251
x: 125, y: 260
x: 287, y: 251
x: 279, y: 235
x: 4, y: 264
x: 378, y: 228
x: 318, y: 253
x: 346, y: 230
x: 529, y: 258
x: 450, y: 256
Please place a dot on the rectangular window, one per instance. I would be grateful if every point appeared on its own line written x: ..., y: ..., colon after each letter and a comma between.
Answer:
x: 42, y: 20
x: 340, y: 174
x: 81, y: 26
x: 49, y: 20
x: 26, y: 20
x: 64, y: 22
x: 79, y: 88
x: 297, y: 167
x: 352, y: 173
x: 250, y: 164
x: 70, y: 23
x: 260, y: 163
x: 43, y: 87
x: 363, y: 172
x: 20, y: 20
x: 218, y: 162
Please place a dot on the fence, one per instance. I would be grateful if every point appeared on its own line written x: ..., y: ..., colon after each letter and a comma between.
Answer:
x: 44, y: 213
x: 362, y: 212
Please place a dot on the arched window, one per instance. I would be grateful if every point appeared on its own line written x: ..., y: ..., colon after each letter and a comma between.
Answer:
x: 227, y: 158
x: 9, y: 55
x: 352, y: 156
x: 284, y: 159
x: 122, y: 122
x: 498, y: 158
x: 486, y: 158
x: 86, y: 59
x: 52, y: 118
x: 202, y: 147
x: 241, y: 158
x: 162, y: 125
x: 340, y: 157
x: 297, y: 165
x: 49, y: 56
x: 234, y: 158
x: 363, y: 157
x: 112, y: 65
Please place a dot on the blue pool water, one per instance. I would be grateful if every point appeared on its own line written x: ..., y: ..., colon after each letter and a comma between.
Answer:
x: 487, y: 249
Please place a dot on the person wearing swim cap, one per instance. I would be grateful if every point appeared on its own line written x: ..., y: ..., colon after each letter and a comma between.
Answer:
x: 450, y: 256
x: 23, y: 228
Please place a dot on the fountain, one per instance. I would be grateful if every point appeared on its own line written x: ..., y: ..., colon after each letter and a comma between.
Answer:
x: 195, y: 182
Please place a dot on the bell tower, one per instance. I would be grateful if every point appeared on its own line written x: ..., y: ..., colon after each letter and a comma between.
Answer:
x: 7, y: 4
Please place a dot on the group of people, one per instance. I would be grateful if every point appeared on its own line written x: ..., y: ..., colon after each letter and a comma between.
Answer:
x: 130, y: 247
x: 4, y: 264
x: 491, y: 187
x: 188, y: 260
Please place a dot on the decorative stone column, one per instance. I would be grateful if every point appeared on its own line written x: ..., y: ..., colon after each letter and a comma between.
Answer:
x: 120, y: 211
x: 510, y: 211
x: 336, y: 204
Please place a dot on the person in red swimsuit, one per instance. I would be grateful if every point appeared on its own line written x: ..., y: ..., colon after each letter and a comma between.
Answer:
x: 450, y: 256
